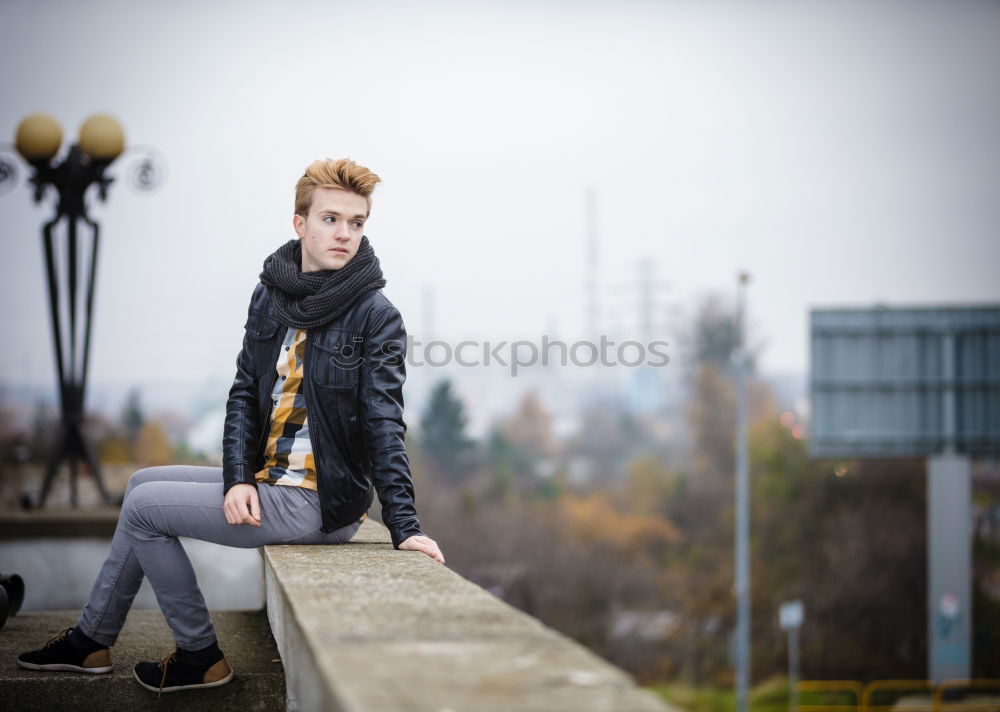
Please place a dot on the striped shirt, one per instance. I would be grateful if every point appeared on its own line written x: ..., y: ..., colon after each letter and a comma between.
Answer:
x: 288, y: 455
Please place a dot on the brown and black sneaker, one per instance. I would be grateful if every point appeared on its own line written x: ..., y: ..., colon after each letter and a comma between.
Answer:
x: 185, y: 670
x: 60, y: 654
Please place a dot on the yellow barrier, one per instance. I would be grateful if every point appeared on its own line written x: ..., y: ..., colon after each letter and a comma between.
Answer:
x: 848, y: 687
x: 984, y: 704
x: 920, y: 686
x: 926, y: 696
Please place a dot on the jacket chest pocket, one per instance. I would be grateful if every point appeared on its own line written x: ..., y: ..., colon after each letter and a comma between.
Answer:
x: 261, y: 330
x: 336, y: 360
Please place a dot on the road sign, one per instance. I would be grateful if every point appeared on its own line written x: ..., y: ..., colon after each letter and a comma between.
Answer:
x: 791, y: 614
x: 905, y: 381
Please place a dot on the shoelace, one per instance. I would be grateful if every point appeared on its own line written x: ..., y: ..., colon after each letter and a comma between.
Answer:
x: 163, y: 664
x: 57, y: 637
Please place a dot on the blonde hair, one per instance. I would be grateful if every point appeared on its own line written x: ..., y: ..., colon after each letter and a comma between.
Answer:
x: 342, y: 173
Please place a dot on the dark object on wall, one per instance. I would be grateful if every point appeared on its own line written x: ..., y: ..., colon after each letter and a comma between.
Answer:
x: 13, y: 587
x: 3, y: 607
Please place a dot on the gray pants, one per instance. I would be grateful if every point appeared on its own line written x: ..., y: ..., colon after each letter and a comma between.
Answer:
x: 163, y: 503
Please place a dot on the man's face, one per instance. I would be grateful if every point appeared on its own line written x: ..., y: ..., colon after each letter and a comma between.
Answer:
x: 331, y: 234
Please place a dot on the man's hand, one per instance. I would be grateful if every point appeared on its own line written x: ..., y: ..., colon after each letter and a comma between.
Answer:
x: 241, y: 505
x: 420, y: 543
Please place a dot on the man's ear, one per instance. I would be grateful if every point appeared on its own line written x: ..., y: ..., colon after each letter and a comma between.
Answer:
x: 299, y: 223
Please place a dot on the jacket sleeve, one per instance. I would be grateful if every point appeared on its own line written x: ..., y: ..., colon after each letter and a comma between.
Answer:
x: 242, y: 430
x: 385, y: 356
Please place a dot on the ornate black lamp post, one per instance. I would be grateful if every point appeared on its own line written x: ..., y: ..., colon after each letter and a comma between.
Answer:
x: 101, y: 141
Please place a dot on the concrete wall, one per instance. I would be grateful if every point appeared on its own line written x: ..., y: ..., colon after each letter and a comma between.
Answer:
x: 59, y: 553
x: 365, y: 627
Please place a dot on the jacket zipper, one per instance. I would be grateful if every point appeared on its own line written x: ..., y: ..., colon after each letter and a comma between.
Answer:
x: 310, y: 397
x: 265, y: 425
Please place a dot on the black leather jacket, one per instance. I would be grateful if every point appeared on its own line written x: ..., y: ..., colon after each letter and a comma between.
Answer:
x: 353, y: 383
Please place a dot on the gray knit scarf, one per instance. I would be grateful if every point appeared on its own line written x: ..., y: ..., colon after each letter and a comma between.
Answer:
x: 305, y: 300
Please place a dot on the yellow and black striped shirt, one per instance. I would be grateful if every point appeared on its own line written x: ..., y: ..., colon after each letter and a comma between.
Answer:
x: 288, y: 455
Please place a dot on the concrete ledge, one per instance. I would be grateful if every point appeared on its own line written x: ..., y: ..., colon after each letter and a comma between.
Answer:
x: 364, y: 627
x: 59, y: 523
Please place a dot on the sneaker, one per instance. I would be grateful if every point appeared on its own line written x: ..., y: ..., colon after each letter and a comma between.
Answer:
x: 175, y: 673
x: 59, y: 654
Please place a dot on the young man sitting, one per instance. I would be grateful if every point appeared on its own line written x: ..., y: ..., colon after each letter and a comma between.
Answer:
x: 314, y: 423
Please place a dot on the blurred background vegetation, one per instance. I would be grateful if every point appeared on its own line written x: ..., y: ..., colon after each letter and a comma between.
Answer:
x: 635, y: 559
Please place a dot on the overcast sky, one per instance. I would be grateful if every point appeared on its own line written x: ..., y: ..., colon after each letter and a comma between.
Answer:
x: 843, y: 153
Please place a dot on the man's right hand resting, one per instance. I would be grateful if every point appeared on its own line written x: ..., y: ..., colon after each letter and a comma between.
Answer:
x: 242, y: 505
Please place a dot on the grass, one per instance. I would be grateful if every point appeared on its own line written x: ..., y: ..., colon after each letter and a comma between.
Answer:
x: 769, y: 696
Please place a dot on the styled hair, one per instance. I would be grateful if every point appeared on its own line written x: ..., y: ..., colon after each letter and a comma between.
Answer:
x: 342, y: 173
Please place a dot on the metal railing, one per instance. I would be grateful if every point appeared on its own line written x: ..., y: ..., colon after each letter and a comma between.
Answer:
x: 981, y: 704
x: 872, y: 690
x: 978, y: 695
x: 844, y: 688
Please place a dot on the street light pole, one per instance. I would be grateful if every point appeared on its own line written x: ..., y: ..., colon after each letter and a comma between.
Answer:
x: 790, y: 617
x: 101, y: 141
x: 742, y: 507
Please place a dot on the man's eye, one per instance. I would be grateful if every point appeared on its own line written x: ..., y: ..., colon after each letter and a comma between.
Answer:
x: 357, y: 225
x: 329, y: 218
